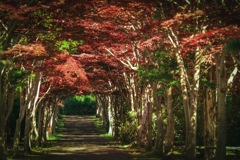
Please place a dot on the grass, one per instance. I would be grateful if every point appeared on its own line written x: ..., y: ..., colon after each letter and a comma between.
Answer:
x: 54, y: 136
x: 59, y: 129
x: 107, y: 137
x: 103, y: 133
x: 99, y: 125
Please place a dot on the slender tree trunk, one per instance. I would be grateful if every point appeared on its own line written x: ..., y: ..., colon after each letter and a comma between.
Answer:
x: 99, y: 107
x: 145, y: 130
x: 6, y: 105
x: 186, y: 101
x: 42, y: 120
x: 142, y: 120
x: 110, y: 115
x: 55, y: 118
x: 149, y: 117
x: 22, y: 112
x: 40, y: 123
x: 37, y: 86
x: 189, y: 95
x: 158, y: 147
x: 103, y: 104
x: 5, y: 112
x: 221, y: 104
x: 3, y: 155
x: 209, y: 123
x: 45, y: 120
x: 27, y: 140
x: 33, y: 95
x: 191, y: 147
x: 50, y: 119
x: 170, y: 123
x: 149, y: 127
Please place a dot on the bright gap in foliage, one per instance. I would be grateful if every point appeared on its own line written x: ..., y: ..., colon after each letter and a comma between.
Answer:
x: 80, y: 105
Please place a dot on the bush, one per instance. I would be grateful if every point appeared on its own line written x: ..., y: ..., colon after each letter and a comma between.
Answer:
x: 128, y: 129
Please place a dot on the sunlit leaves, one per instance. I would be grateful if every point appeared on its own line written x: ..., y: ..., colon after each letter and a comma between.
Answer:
x: 163, y: 72
x: 30, y: 50
x: 68, y: 46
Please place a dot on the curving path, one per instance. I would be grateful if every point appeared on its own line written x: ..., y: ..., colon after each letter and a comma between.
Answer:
x: 81, y: 141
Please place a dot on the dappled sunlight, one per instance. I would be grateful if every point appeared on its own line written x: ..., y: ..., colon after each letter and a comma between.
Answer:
x: 80, y: 139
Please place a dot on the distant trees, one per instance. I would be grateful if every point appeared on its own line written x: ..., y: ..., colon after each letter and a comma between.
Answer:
x: 80, y: 105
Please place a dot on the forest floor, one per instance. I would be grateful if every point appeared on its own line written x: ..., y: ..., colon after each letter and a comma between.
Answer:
x: 81, y: 140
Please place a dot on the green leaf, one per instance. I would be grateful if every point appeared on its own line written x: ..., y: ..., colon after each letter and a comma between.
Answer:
x: 234, y: 45
x: 173, y: 83
x: 67, y: 46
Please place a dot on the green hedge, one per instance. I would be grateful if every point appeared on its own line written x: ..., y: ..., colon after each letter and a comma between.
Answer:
x: 80, y: 105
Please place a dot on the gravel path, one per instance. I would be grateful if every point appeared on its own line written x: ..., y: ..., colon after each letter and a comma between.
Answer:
x: 81, y: 141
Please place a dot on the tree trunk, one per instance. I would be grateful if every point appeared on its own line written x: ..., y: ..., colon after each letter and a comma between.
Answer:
x: 55, y: 118
x: 142, y: 120
x: 99, y: 107
x: 40, y: 123
x: 145, y: 130
x: 27, y: 140
x: 158, y: 147
x: 184, y: 80
x: 5, y: 112
x: 209, y: 123
x: 22, y: 112
x: 170, y: 123
x: 221, y: 104
x: 192, y: 133
x: 131, y: 87
x: 103, y: 104
x: 110, y: 115
x: 189, y: 101
x: 149, y: 118
x: 3, y: 155
x: 7, y: 92
x: 33, y: 89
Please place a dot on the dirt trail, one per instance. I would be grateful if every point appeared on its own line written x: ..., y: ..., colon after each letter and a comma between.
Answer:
x: 81, y: 141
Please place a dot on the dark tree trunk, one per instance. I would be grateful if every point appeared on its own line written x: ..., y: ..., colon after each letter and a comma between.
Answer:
x: 158, y: 147
x: 221, y: 104
x: 209, y: 123
x: 27, y: 140
x: 170, y: 124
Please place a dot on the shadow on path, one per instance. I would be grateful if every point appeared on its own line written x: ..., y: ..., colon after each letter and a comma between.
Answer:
x: 81, y: 141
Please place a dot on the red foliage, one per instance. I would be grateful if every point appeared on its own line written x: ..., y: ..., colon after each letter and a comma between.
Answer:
x: 65, y: 74
x: 27, y: 55
x: 17, y: 12
x: 117, y: 32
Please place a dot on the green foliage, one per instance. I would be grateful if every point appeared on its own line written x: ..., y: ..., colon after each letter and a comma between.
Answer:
x: 54, y: 136
x: 46, y: 25
x: 68, y: 46
x: 187, y: 28
x: 18, y: 74
x: 234, y: 46
x: 128, y: 129
x: 5, y: 63
x: 163, y: 72
x: 233, y: 118
x: 48, y: 37
x: 80, y: 105
x: 179, y: 131
x: 206, y: 83
x: 99, y: 124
